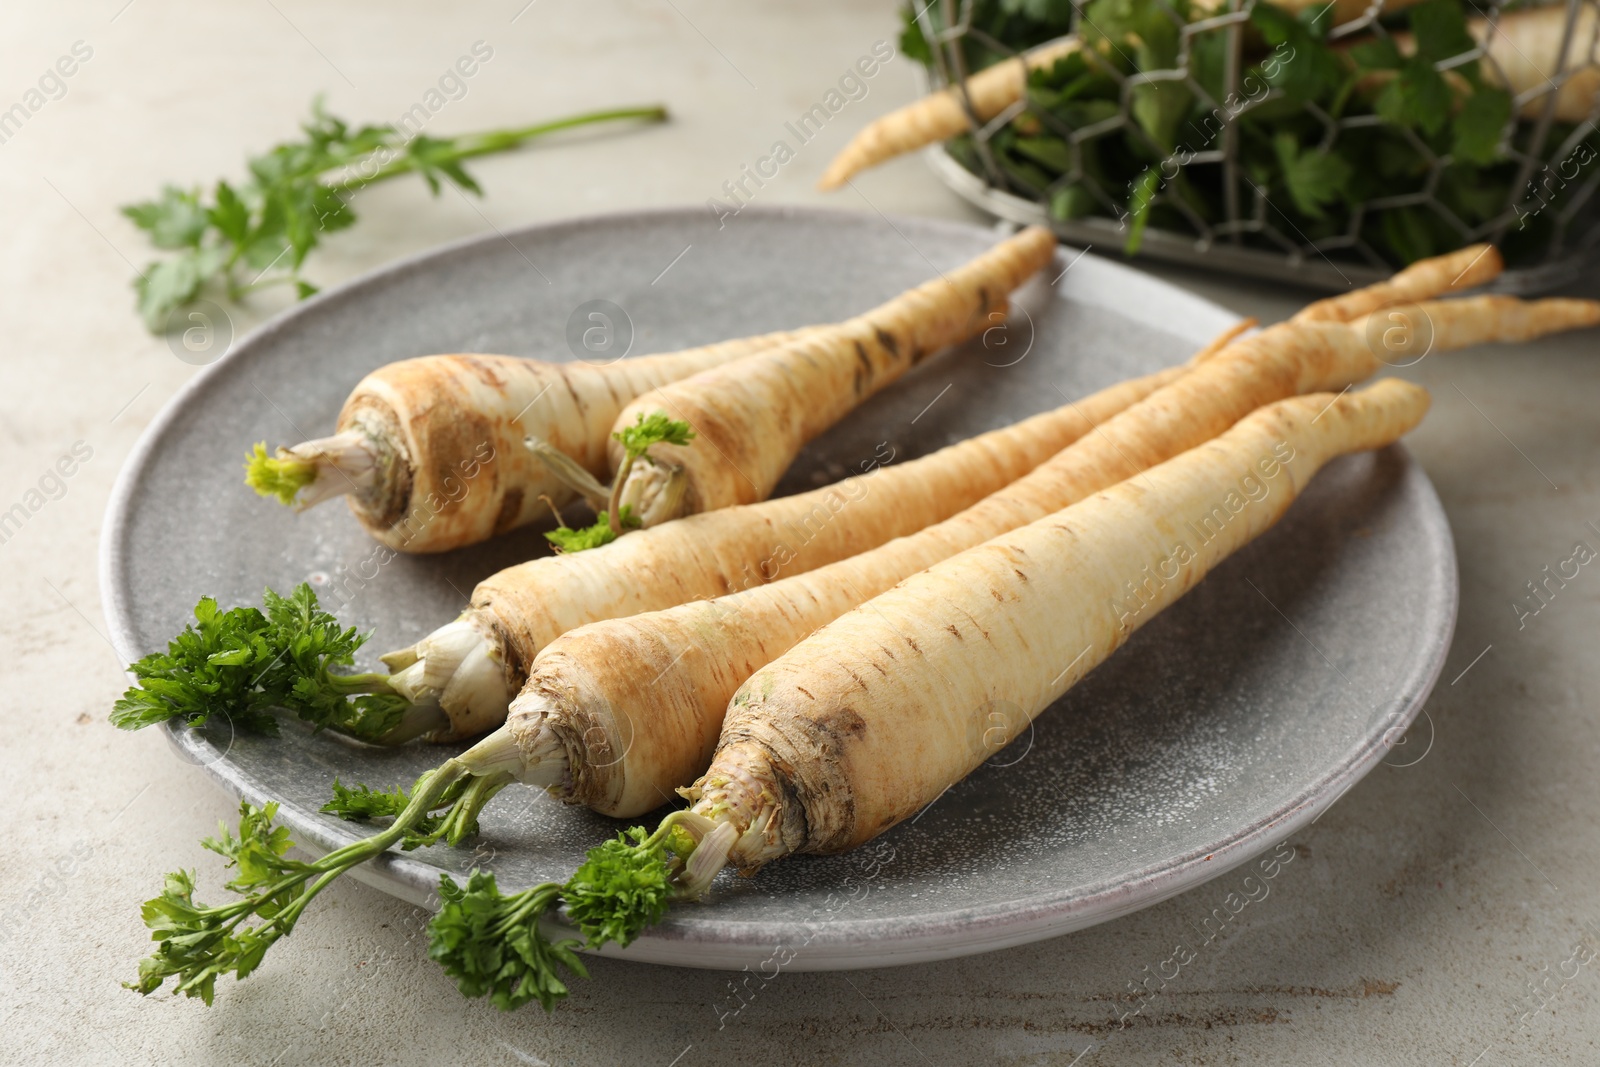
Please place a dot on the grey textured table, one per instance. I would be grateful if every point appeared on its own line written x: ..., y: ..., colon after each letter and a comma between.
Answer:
x: 1441, y: 913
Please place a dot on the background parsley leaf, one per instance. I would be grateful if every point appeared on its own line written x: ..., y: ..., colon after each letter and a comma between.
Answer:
x: 1313, y: 177
x: 263, y: 228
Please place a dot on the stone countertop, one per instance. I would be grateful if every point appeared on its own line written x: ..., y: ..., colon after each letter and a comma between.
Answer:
x: 1422, y: 920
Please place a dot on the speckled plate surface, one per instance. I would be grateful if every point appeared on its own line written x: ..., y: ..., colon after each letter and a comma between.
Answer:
x: 1225, y: 724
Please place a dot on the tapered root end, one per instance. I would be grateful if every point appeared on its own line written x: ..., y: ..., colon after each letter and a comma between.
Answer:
x: 1474, y: 265
x: 841, y: 170
x: 1474, y: 320
x: 307, y: 474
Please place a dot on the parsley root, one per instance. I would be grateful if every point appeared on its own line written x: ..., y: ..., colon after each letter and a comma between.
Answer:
x: 1020, y: 619
x: 516, y: 613
x: 632, y: 706
x: 941, y: 115
x: 752, y: 417
x: 431, y: 453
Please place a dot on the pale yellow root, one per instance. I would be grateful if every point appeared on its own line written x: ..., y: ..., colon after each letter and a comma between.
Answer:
x: 1470, y: 320
x: 941, y: 116
x: 1524, y: 49
x: 1221, y: 342
x: 529, y: 605
x: 752, y: 417
x: 637, y: 700
x: 446, y: 435
x: 1524, y: 44
x: 871, y: 718
x: 1425, y: 279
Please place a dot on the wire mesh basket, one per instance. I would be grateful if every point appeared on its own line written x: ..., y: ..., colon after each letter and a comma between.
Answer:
x: 1210, y: 207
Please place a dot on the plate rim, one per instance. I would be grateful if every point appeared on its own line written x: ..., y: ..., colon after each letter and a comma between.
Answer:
x: 831, y: 943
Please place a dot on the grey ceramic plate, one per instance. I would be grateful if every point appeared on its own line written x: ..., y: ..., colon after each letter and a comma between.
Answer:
x: 1225, y: 724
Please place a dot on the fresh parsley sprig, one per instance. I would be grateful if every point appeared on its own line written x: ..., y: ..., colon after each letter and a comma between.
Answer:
x: 489, y: 942
x: 647, y: 430
x: 258, y: 232
x: 597, y: 533
x: 461, y: 802
x: 198, y: 943
x: 245, y: 662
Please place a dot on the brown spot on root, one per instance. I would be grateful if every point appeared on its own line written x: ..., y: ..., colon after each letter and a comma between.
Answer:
x: 1019, y: 574
x: 914, y: 646
x: 510, y: 510
x: 806, y: 691
x: 954, y: 631
x: 863, y: 372
x: 572, y: 391
x: 449, y: 431
x: 887, y: 340
x: 484, y: 371
x: 846, y: 722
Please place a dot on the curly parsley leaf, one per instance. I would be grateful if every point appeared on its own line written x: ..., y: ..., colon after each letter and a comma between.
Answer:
x: 622, y: 887
x: 174, y: 219
x: 245, y: 662
x: 655, y: 428
x: 458, y: 806
x: 199, y: 943
x: 568, y: 539
x: 363, y: 802
x: 492, y: 946
x: 491, y: 943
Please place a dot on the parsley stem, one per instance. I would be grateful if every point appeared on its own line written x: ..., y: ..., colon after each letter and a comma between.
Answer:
x: 424, y: 798
x: 614, y: 509
x: 370, y: 682
x: 470, y: 145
